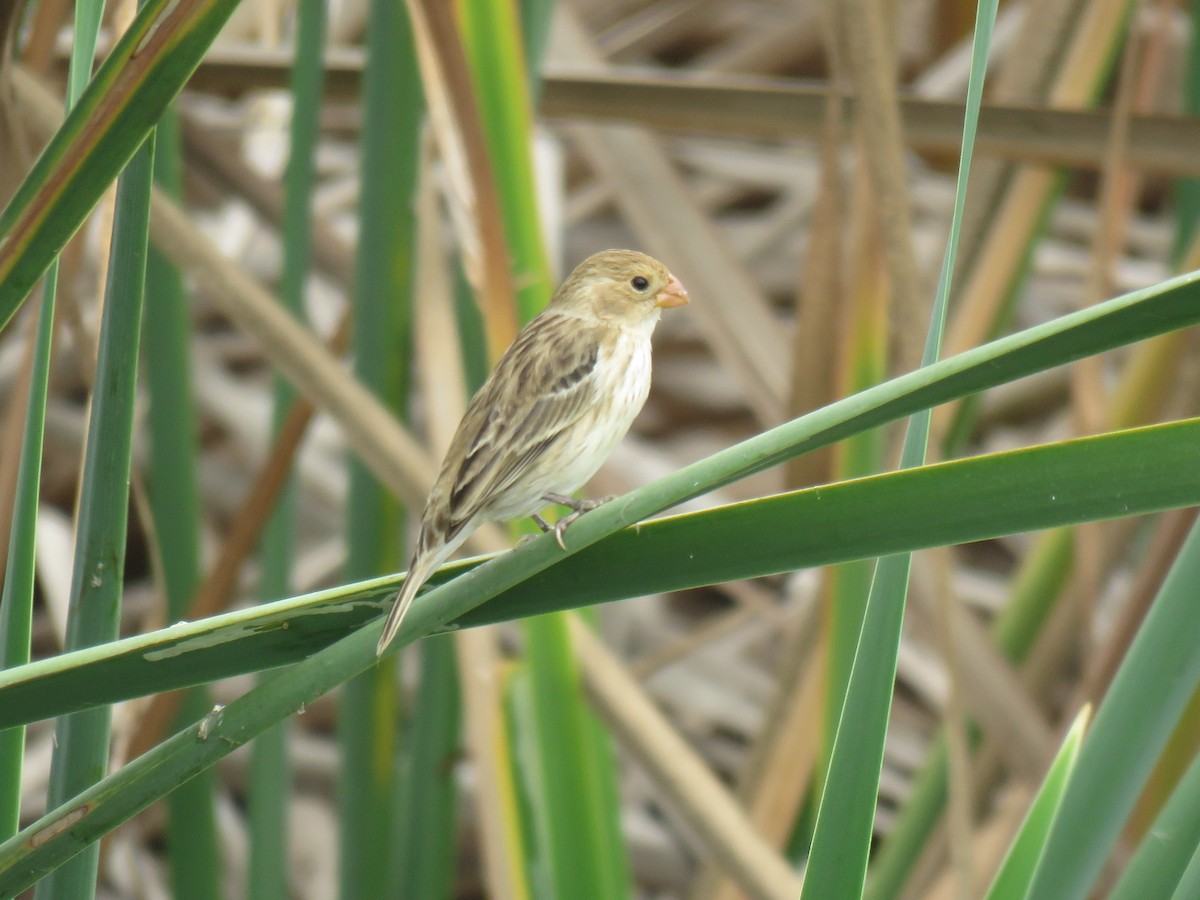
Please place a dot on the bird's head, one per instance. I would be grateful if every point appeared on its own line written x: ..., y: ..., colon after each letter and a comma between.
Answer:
x: 621, y: 286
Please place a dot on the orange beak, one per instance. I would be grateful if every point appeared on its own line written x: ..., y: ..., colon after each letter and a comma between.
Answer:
x: 674, y: 294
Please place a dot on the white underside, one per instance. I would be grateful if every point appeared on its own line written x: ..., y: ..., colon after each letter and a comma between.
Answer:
x: 600, y: 432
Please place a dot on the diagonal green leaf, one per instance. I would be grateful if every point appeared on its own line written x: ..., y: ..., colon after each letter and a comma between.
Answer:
x: 1117, y: 322
x: 141, y: 76
x: 1127, y: 473
x: 87, y: 816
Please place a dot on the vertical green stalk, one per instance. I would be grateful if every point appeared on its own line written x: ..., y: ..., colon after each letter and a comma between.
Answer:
x: 864, y: 364
x: 492, y: 36
x: 81, y: 755
x: 1187, y: 190
x: 570, y: 772
x: 392, y: 102
x: 837, y: 862
x: 535, y: 36
x: 16, y: 604
x: 1041, y: 579
x: 1021, y: 861
x: 569, y: 769
x: 175, y: 507
x: 1182, y: 747
x: 269, y: 771
x: 426, y: 839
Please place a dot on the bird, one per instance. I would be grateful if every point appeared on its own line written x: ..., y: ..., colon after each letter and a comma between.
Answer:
x: 558, y: 401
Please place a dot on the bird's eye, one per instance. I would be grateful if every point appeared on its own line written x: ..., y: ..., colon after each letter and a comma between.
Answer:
x: 639, y: 283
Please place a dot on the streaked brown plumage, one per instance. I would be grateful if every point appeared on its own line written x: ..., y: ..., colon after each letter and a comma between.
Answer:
x: 557, y: 403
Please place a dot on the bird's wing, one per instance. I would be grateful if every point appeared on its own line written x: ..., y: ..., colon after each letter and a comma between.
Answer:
x: 541, y: 386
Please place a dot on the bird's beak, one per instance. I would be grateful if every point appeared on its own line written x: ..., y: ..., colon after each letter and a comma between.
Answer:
x: 674, y: 294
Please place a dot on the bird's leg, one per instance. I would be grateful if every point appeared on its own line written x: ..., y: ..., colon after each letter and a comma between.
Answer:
x: 578, y: 508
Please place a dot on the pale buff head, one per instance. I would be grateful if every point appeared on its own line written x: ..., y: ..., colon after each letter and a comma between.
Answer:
x: 620, y: 286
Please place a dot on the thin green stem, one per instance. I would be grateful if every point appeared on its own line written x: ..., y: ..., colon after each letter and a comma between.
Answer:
x: 382, y: 349
x: 82, y: 739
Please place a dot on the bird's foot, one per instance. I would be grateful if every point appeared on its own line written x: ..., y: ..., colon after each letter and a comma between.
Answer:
x: 578, y: 508
x: 540, y: 523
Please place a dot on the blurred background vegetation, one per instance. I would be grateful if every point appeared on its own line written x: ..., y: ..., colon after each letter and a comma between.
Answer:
x: 239, y: 363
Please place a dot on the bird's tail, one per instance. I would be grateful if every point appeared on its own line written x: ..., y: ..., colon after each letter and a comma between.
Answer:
x: 418, y: 573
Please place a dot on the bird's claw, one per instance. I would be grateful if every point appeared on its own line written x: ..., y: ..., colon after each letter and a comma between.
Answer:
x: 561, y: 525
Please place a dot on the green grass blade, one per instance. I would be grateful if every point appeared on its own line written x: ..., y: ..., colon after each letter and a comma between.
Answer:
x: 142, y: 74
x: 847, y: 586
x: 81, y: 753
x: 16, y: 604
x: 382, y: 349
x: 194, y: 857
x: 562, y: 766
x: 491, y: 34
x: 426, y: 848
x: 1043, y: 576
x: 269, y: 791
x: 570, y: 766
x: 963, y: 501
x: 1157, y: 678
x: 1167, y: 848
x: 535, y: 35
x: 1187, y: 190
x: 841, y: 844
x: 1016, y: 872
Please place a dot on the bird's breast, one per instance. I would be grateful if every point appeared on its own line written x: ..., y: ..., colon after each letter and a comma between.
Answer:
x: 621, y: 392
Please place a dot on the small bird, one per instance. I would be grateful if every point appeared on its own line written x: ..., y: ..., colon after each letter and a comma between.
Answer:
x: 557, y: 403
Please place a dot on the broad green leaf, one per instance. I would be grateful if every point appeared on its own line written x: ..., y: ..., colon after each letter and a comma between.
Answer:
x: 87, y: 816
x: 1121, y: 474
